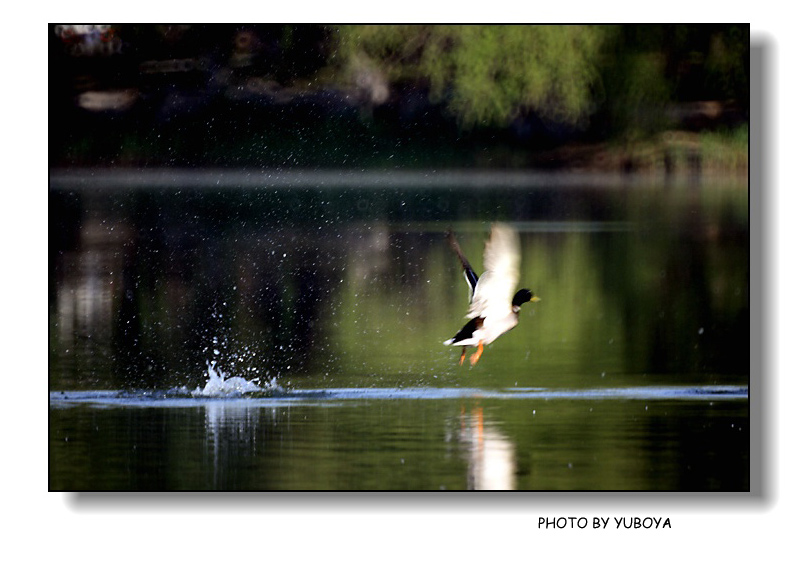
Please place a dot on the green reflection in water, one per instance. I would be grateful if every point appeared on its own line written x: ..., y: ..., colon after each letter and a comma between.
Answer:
x: 355, y: 288
x: 414, y: 444
x: 642, y: 282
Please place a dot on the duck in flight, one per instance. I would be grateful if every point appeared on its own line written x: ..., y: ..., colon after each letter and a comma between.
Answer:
x: 494, y: 304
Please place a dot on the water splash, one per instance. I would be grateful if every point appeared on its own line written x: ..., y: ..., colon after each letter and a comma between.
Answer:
x: 219, y: 384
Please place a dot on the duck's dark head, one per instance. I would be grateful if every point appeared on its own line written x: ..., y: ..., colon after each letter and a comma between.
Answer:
x: 522, y: 296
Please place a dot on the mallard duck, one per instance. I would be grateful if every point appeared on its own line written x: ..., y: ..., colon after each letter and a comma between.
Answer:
x: 494, y: 304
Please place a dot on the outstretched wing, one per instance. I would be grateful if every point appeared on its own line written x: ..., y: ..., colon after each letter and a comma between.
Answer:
x: 495, y: 288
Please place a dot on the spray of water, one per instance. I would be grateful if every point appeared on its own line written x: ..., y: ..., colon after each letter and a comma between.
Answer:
x: 219, y: 384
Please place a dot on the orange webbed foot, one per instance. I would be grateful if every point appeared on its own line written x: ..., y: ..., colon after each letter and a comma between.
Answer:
x: 475, y: 357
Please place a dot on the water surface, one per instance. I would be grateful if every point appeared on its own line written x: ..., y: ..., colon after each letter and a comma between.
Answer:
x: 322, y: 301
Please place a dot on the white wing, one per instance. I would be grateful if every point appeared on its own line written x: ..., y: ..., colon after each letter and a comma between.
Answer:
x: 496, y: 287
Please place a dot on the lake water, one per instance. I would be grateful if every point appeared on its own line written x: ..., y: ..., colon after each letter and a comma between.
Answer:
x: 234, y: 330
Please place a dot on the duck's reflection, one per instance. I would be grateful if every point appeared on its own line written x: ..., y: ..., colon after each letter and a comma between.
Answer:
x: 489, y: 453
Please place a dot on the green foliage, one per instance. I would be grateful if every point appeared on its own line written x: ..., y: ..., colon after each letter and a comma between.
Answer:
x: 728, y: 64
x: 640, y: 94
x: 725, y: 150
x: 486, y: 75
x: 646, y: 69
x: 627, y: 77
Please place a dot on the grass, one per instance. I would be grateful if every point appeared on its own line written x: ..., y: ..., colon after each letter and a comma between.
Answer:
x: 678, y: 151
x: 726, y: 150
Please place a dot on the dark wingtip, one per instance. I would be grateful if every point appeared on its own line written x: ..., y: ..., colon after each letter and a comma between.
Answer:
x: 452, y: 241
x: 449, y: 235
x: 470, y: 274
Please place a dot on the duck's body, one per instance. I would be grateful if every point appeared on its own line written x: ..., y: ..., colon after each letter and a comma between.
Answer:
x: 494, y: 304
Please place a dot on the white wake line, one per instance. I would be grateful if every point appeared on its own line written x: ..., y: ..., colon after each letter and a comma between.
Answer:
x: 686, y: 393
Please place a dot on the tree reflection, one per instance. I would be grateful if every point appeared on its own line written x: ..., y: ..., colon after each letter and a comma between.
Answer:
x: 154, y: 285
